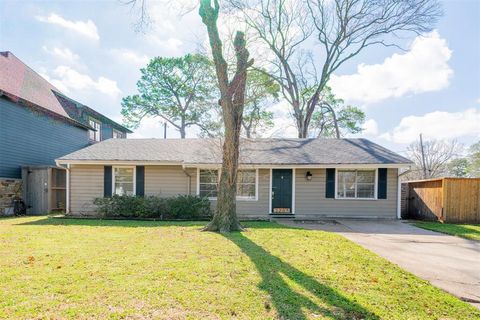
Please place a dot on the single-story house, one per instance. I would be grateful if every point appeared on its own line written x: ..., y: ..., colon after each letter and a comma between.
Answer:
x: 301, y: 178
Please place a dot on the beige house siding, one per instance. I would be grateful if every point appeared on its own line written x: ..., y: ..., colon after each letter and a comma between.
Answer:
x: 310, y: 201
x: 166, y: 181
x: 256, y: 209
x: 86, y: 184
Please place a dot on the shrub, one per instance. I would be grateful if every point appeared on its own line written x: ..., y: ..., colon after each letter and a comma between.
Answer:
x: 120, y: 206
x: 154, y: 207
x: 188, y: 207
x: 178, y: 207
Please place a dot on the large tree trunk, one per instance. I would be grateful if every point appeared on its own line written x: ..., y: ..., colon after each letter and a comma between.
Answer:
x: 182, y: 128
x: 310, y: 108
x: 247, y: 128
x: 302, y: 132
x: 225, y: 218
x: 232, y: 103
x: 182, y: 132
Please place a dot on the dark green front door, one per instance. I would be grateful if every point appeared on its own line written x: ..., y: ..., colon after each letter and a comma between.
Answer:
x: 281, y: 190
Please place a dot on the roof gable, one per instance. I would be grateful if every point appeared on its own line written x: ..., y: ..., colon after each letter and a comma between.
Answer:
x: 20, y: 80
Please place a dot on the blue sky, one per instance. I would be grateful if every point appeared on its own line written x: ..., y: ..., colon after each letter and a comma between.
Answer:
x: 91, y: 51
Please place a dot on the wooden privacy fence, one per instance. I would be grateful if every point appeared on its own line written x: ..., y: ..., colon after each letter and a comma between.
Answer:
x: 454, y: 200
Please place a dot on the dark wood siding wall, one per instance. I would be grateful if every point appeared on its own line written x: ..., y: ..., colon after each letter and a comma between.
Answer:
x: 31, y: 138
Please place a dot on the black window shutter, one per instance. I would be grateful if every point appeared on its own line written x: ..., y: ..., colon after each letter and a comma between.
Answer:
x: 107, y: 181
x: 330, y: 184
x: 382, y: 183
x: 140, y: 181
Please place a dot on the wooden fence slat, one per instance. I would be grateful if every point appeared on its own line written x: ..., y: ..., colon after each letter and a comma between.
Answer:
x: 455, y: 200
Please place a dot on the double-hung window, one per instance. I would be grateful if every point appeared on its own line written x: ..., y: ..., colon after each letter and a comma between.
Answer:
x: 356, y: 184
x: 117, y: 134
x: 94, y: 134
x: 208, y: 183
x: 246, y: 184
x: 124, y: 181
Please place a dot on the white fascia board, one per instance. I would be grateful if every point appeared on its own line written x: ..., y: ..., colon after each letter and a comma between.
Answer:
x: 218, y: 165
x: 119, y: 162
x: 300, y: 166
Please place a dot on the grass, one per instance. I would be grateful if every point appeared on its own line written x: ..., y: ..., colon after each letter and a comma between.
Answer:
x: 63, y: 268
x: 467, y: 231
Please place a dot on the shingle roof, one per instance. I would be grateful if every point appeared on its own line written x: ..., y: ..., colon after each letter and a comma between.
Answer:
x: 252, y: 151
x: 23, y: 82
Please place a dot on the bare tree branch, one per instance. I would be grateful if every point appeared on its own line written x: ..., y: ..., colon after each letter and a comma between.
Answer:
x: 343, y: 28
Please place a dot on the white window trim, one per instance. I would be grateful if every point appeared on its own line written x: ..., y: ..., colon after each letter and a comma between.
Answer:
x: 99, y: 131
x: 238, y: 198
x: 375, y: 197
x: 198, y: 180
x: 117, y: 131
x: 134, y: 178
x: 294, y: 178
x: 241, y: 198
x: 270, y: 193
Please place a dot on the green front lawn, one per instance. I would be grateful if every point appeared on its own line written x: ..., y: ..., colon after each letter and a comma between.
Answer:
x: 59, y: 268
x: 468, y: 231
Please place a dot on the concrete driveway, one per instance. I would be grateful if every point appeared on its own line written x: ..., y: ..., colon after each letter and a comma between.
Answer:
x: 448, y: 262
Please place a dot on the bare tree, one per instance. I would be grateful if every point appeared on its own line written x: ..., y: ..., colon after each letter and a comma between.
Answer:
x: 346, y: 27
x: 260, y: 93
x: 437, y: 155
x: 232, y: 96
x: 232, y: 100
x: 283, y: 26
x: 343, y: 29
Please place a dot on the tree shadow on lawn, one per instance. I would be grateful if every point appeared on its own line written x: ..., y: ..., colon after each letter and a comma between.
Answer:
x: 288, y: 303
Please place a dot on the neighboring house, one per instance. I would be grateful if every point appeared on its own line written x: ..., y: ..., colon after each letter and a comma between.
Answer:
x: 301, y: 178
x: 38, y: 123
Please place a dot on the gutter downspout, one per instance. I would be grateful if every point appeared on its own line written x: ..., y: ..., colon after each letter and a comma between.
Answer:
x: 67, y: 193
x: 67, y: 209
x: 189, y: 180
x: 399, y: 193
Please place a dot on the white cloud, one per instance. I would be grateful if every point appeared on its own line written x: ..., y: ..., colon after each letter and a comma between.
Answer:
x: 152, y: 128
x: 370, y: 128
x: 64, y: 54
x: 172, y: 25
x: 436, y: 125
x: 169, y: 44
x: 85, y: 28
x: 67, y: 79
x: 423, y: 68
x: 130, y: 57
